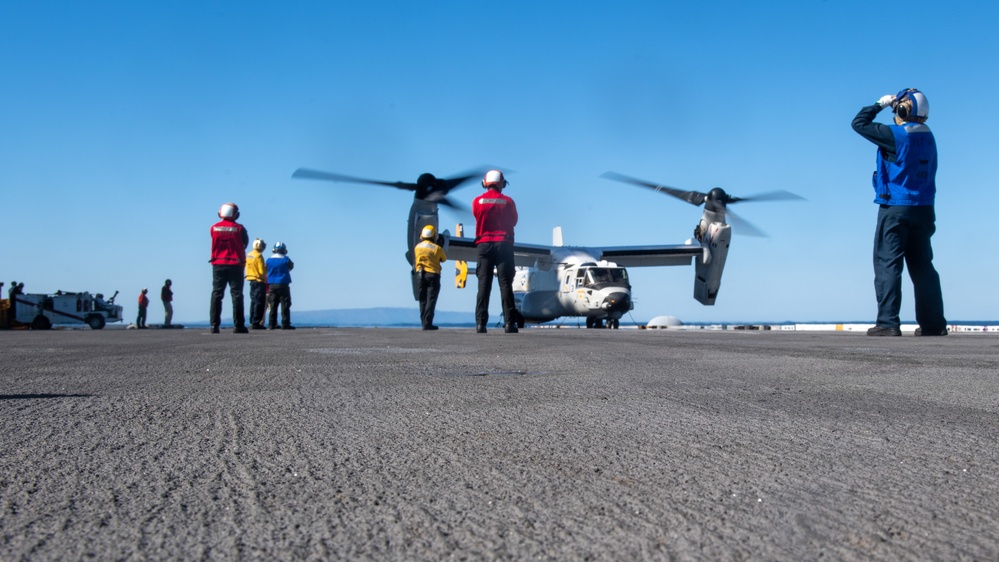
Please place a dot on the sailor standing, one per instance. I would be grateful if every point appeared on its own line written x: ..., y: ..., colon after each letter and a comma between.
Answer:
x: 429, y: 256
x: 905, y: 189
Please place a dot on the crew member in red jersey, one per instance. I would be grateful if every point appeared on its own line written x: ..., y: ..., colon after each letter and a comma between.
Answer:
x: 229, y: 242
x: 495, y: 218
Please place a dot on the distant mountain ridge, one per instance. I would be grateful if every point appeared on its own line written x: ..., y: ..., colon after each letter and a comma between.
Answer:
x: 382, y: 316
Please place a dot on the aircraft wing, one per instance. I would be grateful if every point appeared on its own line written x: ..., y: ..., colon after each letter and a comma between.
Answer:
x: 650, y: 256
x: 523, y: 254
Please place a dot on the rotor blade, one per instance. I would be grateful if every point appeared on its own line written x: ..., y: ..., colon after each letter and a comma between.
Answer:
x: 451, y: 183
x: 693, y: 197
x: 744, y: 227
x: 456, y: 206
x: 779, y: 195
x: 305, y: 173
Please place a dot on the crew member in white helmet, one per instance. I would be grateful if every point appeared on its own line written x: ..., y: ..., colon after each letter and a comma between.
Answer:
x: 229, y: 242
x: 279, y: 267
x: 905, y: 190
x: 495, y: 218
x: 256, y: 275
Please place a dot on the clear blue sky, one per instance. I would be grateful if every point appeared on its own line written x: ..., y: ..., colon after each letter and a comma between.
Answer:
x: 124, y: 126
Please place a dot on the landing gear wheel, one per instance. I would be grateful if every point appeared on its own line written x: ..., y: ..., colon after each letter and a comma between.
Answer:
x: 41, y: 322
x: 595, y: 323
x: 96, y: 322
x: 613, y: 324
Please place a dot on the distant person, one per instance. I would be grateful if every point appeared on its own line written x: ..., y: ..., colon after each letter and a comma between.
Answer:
x: 256, y: 274
x: 166, y: 295
x: 229, y: 241
x: 905, y: 188
x: 279, y: 267
x: 12, y: 294
x: 495, y: 218
x: 429, y: 256
x: 140, y: 321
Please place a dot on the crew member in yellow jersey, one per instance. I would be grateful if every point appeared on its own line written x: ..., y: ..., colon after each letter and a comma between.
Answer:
x: 256, y: 274
x: 429, y: 256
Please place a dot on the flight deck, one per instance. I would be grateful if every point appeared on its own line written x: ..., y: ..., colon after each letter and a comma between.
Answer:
x: 399, y: 444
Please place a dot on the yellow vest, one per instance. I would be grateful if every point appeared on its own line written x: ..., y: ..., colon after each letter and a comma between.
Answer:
x: 429, y: 257
x: 256, y: 269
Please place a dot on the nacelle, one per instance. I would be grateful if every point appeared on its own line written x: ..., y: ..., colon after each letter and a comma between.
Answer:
x: 708, y: 270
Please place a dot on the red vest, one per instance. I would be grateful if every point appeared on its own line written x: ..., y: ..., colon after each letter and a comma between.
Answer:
x: 495, y: 217
x: 227, y: 244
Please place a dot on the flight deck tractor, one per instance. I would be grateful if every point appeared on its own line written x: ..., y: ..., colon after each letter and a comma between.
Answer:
x: 42, y: 311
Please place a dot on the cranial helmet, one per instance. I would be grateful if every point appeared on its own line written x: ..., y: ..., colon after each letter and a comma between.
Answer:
x: 494, y: 178
x: 911, y: 105
x: 229, y: 211
x: 280, y: 248
x: 428, y: 232
x: 168, y: 282
x: 259, y: 245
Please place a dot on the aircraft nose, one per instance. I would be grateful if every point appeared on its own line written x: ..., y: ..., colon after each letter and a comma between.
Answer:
x: 617, y: 302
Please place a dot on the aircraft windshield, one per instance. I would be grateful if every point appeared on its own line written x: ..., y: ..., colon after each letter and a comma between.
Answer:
x: 602, y: 276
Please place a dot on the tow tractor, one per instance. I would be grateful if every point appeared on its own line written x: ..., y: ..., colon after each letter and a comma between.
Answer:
x: 40, y: 312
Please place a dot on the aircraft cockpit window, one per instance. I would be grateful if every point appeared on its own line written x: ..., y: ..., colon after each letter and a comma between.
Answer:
x: 606, y: 276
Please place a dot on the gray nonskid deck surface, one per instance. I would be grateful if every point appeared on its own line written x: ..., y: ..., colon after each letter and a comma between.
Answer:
x: 396, y: 444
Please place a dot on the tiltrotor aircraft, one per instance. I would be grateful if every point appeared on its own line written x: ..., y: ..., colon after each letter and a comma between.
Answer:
x: 592, y: 282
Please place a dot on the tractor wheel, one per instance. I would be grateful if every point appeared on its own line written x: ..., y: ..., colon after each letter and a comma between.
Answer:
x: 96, y: 321
x: 41, y: 322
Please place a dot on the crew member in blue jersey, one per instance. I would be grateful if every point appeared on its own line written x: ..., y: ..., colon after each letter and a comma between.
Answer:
x: 279, y: 267
x: 905, y: 188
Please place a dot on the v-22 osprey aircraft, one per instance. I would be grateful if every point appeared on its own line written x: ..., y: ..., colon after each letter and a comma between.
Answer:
x: 558, y: 280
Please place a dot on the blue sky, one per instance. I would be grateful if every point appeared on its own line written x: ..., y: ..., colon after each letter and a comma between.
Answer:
x: 126, y: 124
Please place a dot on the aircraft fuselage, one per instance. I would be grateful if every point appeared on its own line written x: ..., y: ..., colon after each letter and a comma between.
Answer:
x: 576, y: 285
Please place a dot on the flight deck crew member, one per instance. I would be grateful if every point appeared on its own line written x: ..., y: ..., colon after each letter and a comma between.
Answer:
x: 495, y: 218
x: 279, y: 267
x: 166, y: 295
x: 229, y: 241
x: 905, y: 189
x: 256, y: 274
x: 140, y: 321
x: 11, y: 304
x: 429, y: 256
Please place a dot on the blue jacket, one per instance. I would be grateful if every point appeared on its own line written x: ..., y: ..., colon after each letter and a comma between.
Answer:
x: 907, y: 160
x: 279, y: 268
x: 908, y: 179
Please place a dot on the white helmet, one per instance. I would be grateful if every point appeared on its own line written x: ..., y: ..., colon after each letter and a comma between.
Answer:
x: 428, y: 232
x: 494, y: 178
x: 259, y: 245
x: 229, y: 211
x: 911, y: 105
